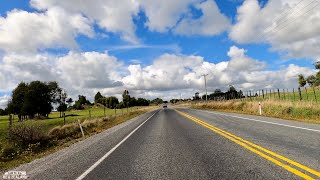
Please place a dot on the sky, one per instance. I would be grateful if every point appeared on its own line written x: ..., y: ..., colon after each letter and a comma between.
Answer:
x: 157, y: 48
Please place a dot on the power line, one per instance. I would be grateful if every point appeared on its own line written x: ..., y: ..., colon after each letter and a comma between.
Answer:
x: 295, y: 19
x: 292, y: 20
x: 293, y: 8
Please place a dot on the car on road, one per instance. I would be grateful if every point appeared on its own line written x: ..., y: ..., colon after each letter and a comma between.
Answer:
x: 164, y: 105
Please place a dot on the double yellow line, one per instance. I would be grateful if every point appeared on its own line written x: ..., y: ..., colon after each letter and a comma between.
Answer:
x: 263, y: 152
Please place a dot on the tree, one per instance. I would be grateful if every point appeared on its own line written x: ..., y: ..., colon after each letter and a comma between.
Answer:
x: 302, y: 81
x: 98, y: 98
x: 126, y: 98
x: 157, y: 101
x: 311, y: 80
x: 132, y: 102
x: 142, y: 102
x: 69, y: 101
x: 81, y: 102
x: 18, y: 95
x: 2, y: 112
x: 113, y: 102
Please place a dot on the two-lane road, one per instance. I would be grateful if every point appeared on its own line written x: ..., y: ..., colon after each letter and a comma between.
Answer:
x: 171, y: 146
x: 182, y: 143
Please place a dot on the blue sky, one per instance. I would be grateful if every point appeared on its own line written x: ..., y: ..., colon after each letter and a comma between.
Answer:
x: 213, y: 49
x: 40, y: 39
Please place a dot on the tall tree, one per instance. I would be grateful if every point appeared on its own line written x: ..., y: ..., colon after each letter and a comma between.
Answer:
x: 69, y: 101
x: 126, y: 98
x: 302, y: 81
x: 113, y: 102
x: 98, y: 98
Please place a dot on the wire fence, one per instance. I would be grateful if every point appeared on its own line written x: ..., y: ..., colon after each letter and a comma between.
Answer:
x: 311, y: 94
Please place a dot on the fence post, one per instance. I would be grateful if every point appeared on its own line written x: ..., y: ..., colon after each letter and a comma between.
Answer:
x: 306, y: 93
x: 279, y: 93
x: 262, y: 94
x: 80, y: 127
x: 300, y: 93
x: 314, y: 92
x: 10, y: 125
x: 64, y: 118
x: 250, y: 95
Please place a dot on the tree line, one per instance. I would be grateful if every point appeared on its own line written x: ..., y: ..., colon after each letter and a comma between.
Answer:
x: 37, y: 100
x: 312, y: 80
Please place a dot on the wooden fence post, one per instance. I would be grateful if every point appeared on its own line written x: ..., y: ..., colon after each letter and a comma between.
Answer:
x: 262, y: 94
x: 64, y: 118
x: 300, y: 93
x: 294, y: 95
x: 306, y: 93
x: 10, y: 124
x: 279, y: 93
x: 314, y: 92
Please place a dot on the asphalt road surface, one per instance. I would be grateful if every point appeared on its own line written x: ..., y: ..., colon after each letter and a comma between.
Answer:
x: 182, y: 143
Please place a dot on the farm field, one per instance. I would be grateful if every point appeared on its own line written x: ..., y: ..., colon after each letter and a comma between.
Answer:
x: 71, y: 116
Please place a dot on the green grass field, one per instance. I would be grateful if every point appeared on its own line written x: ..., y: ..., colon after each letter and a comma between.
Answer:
x: 54, y: 119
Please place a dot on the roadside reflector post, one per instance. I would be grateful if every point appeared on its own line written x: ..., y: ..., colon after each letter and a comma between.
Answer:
x: 80, y: 127
x: 260, y: 109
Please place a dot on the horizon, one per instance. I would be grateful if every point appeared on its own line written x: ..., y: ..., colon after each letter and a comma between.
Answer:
x: 157, y: 52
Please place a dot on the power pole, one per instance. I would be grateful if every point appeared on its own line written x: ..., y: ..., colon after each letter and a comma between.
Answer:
x: 205, y: 85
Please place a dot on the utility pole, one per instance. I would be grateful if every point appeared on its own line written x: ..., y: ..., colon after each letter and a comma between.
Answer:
x: 205, y: 85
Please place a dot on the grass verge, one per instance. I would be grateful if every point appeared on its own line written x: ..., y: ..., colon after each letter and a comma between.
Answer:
x: 14, y: 153
x: 298, y: 111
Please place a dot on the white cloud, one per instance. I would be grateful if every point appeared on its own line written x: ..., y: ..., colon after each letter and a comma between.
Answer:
x: 167, y: 76
x: 212, y: 22
x: 4, y: 101
x: 163, y: 15
x: 30, y: 31
x: 113, y: 16
x: 89, y: 70
x: 290, y: 26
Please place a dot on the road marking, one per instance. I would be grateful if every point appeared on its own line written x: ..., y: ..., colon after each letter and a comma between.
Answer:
x: 279, y: 124
x: 251, y: 146
x: 112, y: 150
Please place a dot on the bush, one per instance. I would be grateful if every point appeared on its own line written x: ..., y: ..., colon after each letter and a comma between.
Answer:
x: 9, y: 151
x: 29, y: 133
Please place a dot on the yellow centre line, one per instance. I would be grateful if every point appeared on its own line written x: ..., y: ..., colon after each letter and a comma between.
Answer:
x: 245, y: 144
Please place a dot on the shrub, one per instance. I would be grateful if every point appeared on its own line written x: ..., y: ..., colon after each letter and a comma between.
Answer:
x: 9, y: 151
x: 29, y: 133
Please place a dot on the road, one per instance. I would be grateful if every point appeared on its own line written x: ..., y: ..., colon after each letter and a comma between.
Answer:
x: 182, y: 143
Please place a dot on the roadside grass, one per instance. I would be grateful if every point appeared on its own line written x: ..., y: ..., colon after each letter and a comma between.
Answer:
x: 298, y: 111
x: 309, y: 95
x: 96, y: 124
x: 55, y: 120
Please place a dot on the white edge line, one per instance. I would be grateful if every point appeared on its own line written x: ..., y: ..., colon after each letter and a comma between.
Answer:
x: 297, y: 127
x: 113, y: 149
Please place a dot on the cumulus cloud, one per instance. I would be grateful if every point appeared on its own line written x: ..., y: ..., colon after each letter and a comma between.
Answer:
x: 212, y: 22
x: 113, y: 16
x: 163, y: 15
x: 4, y: 101
x: 167, y: 76
x: 30, y: 31
x: 290, y: 26
x: 171, y: 72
